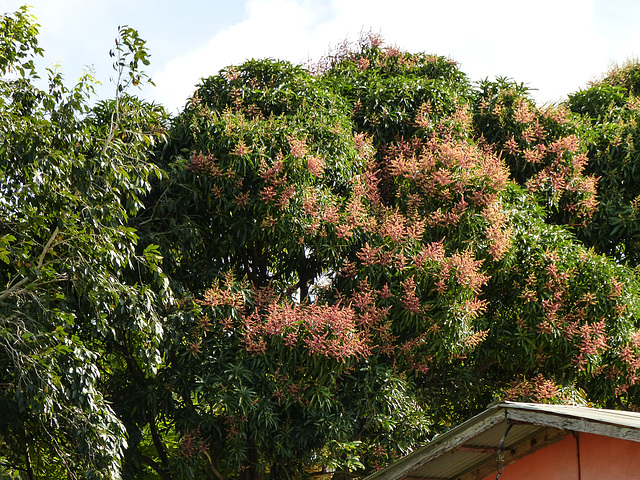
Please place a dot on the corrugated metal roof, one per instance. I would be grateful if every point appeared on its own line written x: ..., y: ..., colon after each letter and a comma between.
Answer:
x: 510, y: 430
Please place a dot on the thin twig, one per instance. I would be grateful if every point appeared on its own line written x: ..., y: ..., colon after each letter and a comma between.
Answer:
x: 10, y: 291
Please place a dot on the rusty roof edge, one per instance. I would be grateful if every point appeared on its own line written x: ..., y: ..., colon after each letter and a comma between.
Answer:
x: 569, y: 410
x: 444, y: 443
x: 614, y: 423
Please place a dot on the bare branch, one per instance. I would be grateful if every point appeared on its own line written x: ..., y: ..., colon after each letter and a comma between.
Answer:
x: 47, y: 247
x: 10, y: 291
x: 213, y: 468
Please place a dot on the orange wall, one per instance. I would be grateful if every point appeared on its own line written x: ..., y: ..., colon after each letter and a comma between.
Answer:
x: 600, y: 458
x: 604, y: 457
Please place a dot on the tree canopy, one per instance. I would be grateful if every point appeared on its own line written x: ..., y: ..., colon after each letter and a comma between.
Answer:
x: 309, y: 271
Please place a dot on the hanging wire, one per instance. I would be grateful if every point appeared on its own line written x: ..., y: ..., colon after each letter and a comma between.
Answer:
x: 500, y: 464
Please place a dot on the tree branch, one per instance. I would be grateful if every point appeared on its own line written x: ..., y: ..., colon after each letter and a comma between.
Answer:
x: 157, y: 442
x: 149, y: 462
x: 29, y: 467
x: 213, y: 468
x: 485, y: 366
x: 10, y: 291
x: 47, y: 247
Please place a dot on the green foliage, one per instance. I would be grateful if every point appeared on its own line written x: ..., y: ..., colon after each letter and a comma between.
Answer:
x: 542, y: 148
x: 359, y: 268
x: 387, y: 87
x: 129, y: 52
x: 611, y: 111
x: 18, y: 43
x: 549, y: 312
x: 73, y: 286
x: 265, y: 141
x: 308, y: 272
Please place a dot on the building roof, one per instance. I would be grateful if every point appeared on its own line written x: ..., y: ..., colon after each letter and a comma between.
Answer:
x: 508, y: 431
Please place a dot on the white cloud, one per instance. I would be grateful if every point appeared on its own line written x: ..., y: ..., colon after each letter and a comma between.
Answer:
x: 550, y: 44
x: 74, y: 35
x: 554, y: 46
x: 280, y: 29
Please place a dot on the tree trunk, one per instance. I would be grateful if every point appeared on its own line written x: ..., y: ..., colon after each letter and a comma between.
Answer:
x: 29, y: 468
x: 251, y: 469
x: 341, y: 475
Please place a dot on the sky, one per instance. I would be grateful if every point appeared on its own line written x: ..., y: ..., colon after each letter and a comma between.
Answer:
x: 555, y: 47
